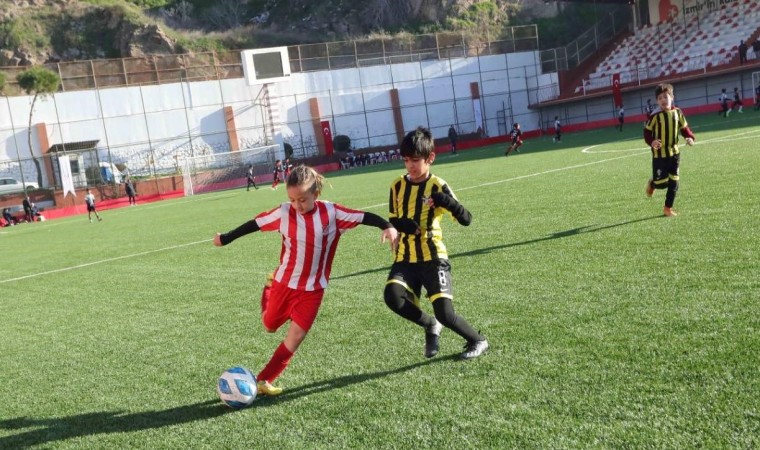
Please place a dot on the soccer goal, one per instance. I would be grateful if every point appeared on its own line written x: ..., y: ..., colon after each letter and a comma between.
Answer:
x: 228, y: 170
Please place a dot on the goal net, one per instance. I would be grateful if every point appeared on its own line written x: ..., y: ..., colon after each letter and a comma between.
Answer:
x: 228, y: 170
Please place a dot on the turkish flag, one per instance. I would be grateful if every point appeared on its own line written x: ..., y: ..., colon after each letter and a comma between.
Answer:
x: 617, y: 96
x: 327, y: 134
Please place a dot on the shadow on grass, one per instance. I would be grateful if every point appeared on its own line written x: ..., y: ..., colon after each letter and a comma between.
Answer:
x: 47, y: 431
x: 481, y: 251
x: 59, y: 429
x: 319, y: 387
x: 557, y: 235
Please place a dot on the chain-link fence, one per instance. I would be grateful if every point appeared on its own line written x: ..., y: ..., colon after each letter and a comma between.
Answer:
x: 157, y: 69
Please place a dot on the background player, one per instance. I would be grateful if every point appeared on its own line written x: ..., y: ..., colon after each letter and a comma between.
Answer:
x: 557, y: 130
x: 310, y: 230
x: 621, y: 117
x: 277, y: 174
x: 516, y: 135
x: 661, y: 133
x: 737, y: 101
x: 89, y: 199
x: 250, y: 178
x: 723, y: 99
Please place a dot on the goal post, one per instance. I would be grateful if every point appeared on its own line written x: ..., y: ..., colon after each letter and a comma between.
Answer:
x: 228, y: 170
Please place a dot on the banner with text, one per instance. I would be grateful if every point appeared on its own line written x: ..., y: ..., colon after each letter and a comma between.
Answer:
x: 683, y: 10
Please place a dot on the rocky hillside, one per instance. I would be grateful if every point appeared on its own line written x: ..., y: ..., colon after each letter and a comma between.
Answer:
x: 43, y: 31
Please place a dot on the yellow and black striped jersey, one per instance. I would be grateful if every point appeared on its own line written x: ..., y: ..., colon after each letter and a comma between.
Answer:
x: 410, y: 200
x: 666, y: 127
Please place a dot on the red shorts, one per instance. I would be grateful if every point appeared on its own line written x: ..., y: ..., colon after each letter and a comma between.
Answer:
x: 291, y: 304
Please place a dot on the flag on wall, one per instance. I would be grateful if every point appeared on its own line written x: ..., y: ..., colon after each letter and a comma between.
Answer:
x: 66, y: 179
x: 616, y: 94
x: 327, y: 133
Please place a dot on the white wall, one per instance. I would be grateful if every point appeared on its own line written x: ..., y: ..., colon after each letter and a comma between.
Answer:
x: 170, y: 121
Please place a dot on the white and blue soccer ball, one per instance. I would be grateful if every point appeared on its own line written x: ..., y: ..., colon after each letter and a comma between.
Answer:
x: 237, y: 387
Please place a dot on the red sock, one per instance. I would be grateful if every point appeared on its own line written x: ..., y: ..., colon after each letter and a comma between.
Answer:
x: 276, y: 365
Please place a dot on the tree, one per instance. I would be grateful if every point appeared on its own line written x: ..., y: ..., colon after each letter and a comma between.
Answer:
x: 2, y: 82
x: 40, y: 82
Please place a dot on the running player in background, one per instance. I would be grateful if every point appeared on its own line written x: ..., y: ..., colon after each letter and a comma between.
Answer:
x: 516, y: 135
x: 661, y: 134
x: 723, y: 99
x: 737, y: 101
x: 277, y: 174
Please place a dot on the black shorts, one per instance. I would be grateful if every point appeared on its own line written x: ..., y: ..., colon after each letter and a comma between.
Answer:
x: 665, y: 168
x: 90, y: 208
x: 434, y: 276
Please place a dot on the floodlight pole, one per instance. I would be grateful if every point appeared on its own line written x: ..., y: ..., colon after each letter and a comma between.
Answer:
x: 18, y: 152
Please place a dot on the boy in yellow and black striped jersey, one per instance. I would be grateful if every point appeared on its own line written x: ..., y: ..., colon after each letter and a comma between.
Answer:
x: 418, y: 202
x: 661, y: 134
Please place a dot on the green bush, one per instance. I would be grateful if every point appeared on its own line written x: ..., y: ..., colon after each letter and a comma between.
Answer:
x: 10, y: 34
x: 342, y: 143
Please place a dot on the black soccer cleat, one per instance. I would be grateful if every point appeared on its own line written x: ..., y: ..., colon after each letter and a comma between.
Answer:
x: 432, y: 335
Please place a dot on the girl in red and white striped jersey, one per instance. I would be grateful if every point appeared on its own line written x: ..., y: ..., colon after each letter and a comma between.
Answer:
x: 310, y: 230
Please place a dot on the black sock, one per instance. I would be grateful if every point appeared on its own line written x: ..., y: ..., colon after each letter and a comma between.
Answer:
x: 444, y: 312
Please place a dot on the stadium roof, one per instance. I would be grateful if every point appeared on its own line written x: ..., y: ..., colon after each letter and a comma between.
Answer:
x: 78, y: 146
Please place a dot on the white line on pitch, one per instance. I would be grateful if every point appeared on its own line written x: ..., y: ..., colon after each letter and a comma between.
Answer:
x: 116, y: 258
x: 521, y: 177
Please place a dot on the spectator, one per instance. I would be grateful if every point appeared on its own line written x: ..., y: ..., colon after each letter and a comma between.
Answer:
x: 35, y: 212
x: 453, y: 136
x: 756, y: 48
x: 27, y: 210
x: 742, y: 52
x: 8, y: 217
x: 129, y: 187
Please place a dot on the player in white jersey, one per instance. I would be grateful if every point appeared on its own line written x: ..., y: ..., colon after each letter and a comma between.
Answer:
x: 89, y: 199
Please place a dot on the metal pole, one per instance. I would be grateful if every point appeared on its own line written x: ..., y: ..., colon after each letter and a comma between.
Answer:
x: 147, y: 132
x: 13, y: 130
x: 60, y: 131
x: 187, y: 118
x: 453, y: 94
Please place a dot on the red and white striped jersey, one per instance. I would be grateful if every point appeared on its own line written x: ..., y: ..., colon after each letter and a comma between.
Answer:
x: 308, y: 241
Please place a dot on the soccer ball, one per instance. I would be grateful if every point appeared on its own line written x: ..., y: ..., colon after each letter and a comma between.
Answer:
x: 237, y: 387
